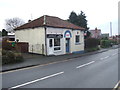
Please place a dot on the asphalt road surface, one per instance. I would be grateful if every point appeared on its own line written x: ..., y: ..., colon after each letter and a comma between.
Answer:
x: 92, y: 71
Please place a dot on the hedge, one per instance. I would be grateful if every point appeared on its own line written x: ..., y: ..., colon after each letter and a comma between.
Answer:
x: 105, y: 43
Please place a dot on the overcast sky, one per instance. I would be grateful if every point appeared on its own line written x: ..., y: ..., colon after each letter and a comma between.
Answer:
x: 99, y: 12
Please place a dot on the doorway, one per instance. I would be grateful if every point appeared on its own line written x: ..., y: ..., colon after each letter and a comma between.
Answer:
x: 50, y: 46
x: 67, y: 45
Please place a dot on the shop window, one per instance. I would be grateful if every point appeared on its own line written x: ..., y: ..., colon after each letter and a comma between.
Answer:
x: 57, y: 44
x: 77, y: 39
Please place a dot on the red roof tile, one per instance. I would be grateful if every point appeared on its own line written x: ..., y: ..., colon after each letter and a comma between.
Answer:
x: 49, y: 21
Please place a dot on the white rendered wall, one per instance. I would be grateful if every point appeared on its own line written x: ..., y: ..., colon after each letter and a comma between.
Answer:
x: 77, y: 47
x: 35, y: 37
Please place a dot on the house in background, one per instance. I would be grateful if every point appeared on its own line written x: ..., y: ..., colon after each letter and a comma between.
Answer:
x: 10, y: 38
x: 51, y: 35
x: 105, y: 35
x: 96, y: 33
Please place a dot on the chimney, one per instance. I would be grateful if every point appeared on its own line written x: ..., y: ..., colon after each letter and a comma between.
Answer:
x: 44, y: 19
x: 96, y: 28
x: 29, y: 20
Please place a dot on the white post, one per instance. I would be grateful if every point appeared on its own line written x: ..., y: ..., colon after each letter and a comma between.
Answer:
x: 111, y: 28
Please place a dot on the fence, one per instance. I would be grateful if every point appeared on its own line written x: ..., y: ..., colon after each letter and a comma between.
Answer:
x: 22, y: 47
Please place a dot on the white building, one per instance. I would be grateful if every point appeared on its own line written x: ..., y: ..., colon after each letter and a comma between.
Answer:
x: 50, y: 35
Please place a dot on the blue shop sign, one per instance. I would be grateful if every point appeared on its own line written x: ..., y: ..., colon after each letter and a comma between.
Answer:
x: 67, y: 34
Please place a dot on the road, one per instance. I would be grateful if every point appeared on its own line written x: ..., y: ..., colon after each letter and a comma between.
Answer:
x: 92, y: 71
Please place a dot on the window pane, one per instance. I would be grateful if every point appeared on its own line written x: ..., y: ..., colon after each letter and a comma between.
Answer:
x: 77, y: 38
x: 57, y: 42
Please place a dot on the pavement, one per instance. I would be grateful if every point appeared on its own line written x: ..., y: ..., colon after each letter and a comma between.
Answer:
x: 34, y: 60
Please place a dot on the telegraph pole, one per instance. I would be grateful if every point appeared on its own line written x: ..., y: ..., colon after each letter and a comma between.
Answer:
x: 111, y: 29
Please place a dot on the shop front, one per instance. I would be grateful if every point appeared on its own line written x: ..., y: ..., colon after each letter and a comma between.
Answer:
x: 58, y: 44
x: 54, y: 43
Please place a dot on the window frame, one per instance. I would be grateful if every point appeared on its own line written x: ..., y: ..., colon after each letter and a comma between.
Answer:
x: 77, y: 42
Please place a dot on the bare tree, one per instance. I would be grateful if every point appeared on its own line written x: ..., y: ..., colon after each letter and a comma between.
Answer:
x: 13, y: 23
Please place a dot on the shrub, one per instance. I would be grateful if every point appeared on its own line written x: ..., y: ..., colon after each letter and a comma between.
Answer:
x: 11, y: 57
x: 92, y: 49
x: 105, y: 43
x: 7, y: 58
x: 4, y: 52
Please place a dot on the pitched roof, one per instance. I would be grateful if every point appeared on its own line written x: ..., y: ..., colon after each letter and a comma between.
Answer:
x: 95, y: 30
x: 49, y: 21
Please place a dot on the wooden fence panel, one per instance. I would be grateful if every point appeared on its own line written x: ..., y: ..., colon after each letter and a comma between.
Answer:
x: 22, y: 47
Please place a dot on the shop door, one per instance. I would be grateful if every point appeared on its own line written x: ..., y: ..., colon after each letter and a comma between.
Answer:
x: 67, y: 45
x: 50, y: 47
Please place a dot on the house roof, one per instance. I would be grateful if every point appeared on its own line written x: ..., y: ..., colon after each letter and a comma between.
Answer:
x: 95, y: 30
x: 49, y: 21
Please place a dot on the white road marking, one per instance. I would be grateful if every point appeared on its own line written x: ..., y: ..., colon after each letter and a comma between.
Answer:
x: 36, y: 80
x: 104, y: 57
x: 85, y: 64
x: 116, y: 86
x: 101, y: 58
x: 114, y: 54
